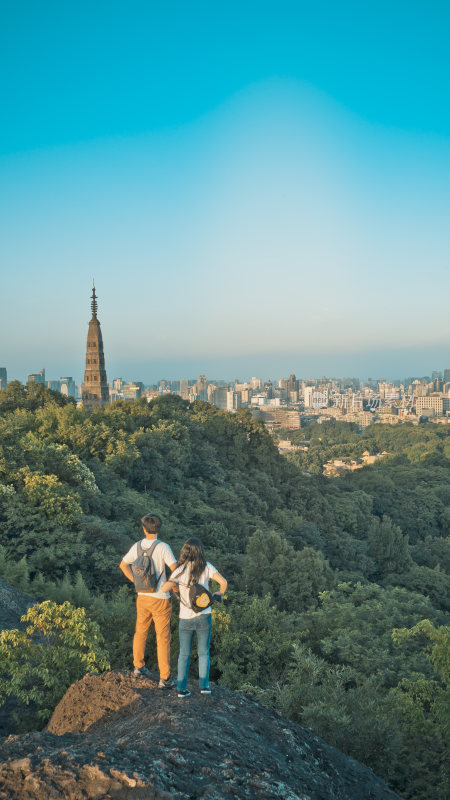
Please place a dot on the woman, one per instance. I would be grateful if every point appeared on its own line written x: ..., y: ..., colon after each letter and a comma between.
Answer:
x: 191, y: 568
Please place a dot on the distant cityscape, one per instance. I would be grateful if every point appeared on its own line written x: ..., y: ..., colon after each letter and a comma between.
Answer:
x: 288, y: 403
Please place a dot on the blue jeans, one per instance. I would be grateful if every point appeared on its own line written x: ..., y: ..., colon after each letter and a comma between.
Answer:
x: 201, y: 624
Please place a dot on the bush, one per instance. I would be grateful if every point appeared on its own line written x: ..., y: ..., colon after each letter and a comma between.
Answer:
x: 59, y: 645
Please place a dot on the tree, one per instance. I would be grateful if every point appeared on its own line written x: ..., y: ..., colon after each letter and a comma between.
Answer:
x: 252, y: 642
x: 59, y: 645
x: 423, y: 705
x: 342, y: 707
x: 388, y: 546
x: 353, y: 627
x: 432, y: 583
x: 57, y: 502
x: 293, y: 578
x: 32, y: 396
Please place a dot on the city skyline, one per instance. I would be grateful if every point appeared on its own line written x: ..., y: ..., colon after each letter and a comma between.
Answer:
x: 43, y: 375
x: 285, y: 404
x: 255, y: 191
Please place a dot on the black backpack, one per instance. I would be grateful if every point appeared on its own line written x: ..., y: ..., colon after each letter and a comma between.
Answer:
x: 199, y: 597
x: 143, y: 569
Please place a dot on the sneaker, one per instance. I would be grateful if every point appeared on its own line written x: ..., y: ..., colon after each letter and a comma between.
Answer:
x: 206, y: 690
x: 166, y: 684
x: 138, y: 671
x: 184, y: 693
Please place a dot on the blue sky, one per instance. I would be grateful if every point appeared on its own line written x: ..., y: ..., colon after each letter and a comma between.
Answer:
x: 257, y: 187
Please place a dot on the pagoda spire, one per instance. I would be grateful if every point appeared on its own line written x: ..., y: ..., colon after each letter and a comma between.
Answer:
x: 94, y: 305
x: 95, y: 386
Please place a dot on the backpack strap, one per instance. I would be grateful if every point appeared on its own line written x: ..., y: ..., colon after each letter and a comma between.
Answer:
x: 186, y: 585
x: 149, y: 551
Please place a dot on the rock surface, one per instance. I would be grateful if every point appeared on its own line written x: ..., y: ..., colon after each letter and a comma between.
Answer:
x: 117, y: 736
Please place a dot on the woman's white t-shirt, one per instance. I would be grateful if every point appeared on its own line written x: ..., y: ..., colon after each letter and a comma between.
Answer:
x: 181, y: 576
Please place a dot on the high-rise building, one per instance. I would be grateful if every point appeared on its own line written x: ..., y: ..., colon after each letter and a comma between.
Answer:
x: 308, y: 396
x: 133, y: 391
x: 446, y: 375
x: 268, y: 389
x: 292, y: 384
x: 292, y: 389
x: 37, y: 377
x: 184, y: 389
x: 233, y: 400
x: 3, y: 378
x: 220, y: 397
x: 95, y: 387
x: 202, y: 388
x: 67, y: 386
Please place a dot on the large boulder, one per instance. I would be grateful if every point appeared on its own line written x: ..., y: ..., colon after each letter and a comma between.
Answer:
x: 117, y: 736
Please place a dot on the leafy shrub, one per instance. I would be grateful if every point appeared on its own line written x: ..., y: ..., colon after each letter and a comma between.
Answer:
x: 59, y: 645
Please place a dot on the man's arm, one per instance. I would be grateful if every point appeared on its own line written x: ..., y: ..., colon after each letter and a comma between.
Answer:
x: 126, y: 570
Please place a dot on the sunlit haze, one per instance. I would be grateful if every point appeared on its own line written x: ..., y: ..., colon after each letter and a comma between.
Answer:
x: 257, y: 188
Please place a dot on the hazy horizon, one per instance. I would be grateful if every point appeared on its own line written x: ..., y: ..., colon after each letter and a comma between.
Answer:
x: 362, y: 365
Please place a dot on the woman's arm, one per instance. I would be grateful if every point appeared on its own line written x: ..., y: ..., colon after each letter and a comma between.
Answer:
x: 169, y: 586
x: 221, y: 581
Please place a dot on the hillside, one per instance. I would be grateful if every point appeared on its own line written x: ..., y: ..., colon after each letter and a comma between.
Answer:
x: 338, y: 588
x: 116, y: 736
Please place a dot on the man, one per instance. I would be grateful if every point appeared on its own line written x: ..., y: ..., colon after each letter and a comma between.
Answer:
x: 156, y: 606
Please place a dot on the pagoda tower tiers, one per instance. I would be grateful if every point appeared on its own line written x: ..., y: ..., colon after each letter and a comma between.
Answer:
x: 95, y: 386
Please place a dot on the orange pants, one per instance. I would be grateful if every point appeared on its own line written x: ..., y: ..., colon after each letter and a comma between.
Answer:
x: 150, y: 608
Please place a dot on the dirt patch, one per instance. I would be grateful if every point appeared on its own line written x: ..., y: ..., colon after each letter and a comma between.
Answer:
x: 94, y: 698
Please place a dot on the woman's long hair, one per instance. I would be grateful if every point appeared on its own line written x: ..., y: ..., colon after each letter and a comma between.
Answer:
x: 193, y: 556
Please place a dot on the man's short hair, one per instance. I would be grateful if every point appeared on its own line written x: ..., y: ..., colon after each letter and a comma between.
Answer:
x: 151, y: 523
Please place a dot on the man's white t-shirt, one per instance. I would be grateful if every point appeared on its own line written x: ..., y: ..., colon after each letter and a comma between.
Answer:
x: 162, y: 554
x: 181, y: 576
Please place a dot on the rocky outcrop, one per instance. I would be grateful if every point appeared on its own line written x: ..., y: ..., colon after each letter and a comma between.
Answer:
x: 117, y: 736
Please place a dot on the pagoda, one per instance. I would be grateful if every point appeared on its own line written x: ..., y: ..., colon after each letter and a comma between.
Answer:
x: 95, y: 386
